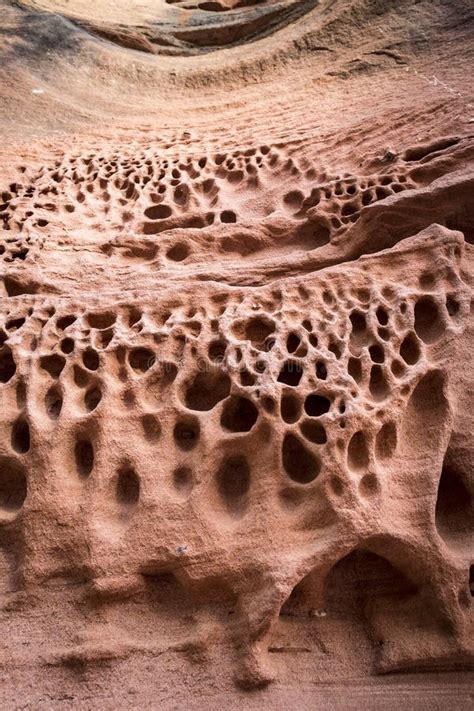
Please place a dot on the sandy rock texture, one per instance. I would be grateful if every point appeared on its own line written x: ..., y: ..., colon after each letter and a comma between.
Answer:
x: 236, y: 354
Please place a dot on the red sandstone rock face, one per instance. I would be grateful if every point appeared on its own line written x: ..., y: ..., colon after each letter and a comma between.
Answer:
x: 236, y: 347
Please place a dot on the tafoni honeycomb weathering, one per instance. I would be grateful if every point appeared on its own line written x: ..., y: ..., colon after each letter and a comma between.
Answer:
x: 236, y: 354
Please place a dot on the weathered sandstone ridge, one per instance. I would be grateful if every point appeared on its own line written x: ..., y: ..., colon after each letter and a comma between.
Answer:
x: 236, y: 354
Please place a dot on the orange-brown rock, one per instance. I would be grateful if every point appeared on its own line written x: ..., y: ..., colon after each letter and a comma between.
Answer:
x: 236, y: 354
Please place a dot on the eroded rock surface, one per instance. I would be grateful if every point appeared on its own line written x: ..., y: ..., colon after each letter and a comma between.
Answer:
x: 236, y: 355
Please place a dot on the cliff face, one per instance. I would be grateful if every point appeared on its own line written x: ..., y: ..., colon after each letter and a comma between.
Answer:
x: 236, y: 354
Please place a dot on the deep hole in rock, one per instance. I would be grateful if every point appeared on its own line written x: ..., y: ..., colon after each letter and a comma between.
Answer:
x: 300, y: 464
x: 378, y: 386
x: 363, y: 295
x: 291, y: 373
x: 354, y: 368
x: 16, y: 286
x: 420, y: 152
x: 358, y: 453
x: 314, y: 432
x: 398, y: 368
x: 127, y: 489
x: 260, y: 366
x: 141, y: 359
x: 158, y: 212
x: 134, y: 316
x: 186, y: 434
x: 386, y: 441
x: 367, y: 197
x: 358, y: 322
x: 239, y: 414
x: 228, y: 216
x: 452, y: 306
x: 64, y: 321
x: 268, y: 404
x: 293, y: 199
x: 290, y: 408
x: 428, y: 323
x: 360, y: 577
x: 377, y: 353
x: 335, y: 347
x: 256, y: 330
x: 217, y: 350
x: 384, y: 333
x: 92, y: 398
x: 14, y: 324
x: 84, y: 457
x: 317, y: 405
x: 13, y: 484
x: 90, y: 358
x: 206, y: 390
x: 349, y: 208
x: 292, y: 342
x: 105, y: 337
x: 455, y: 506
x: 53, y: 402
x: 382, y: 316
x: 321, y: 370
x: 67, y: 345
x: 247, y: 379
x: 20, y: 438
x: 233, y: 482
x: 7, y: 365
x: 178, y: 252
x: 410, y: 349
x: 81, y: 378
x: 53, y: 364
x: 101, y: 320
